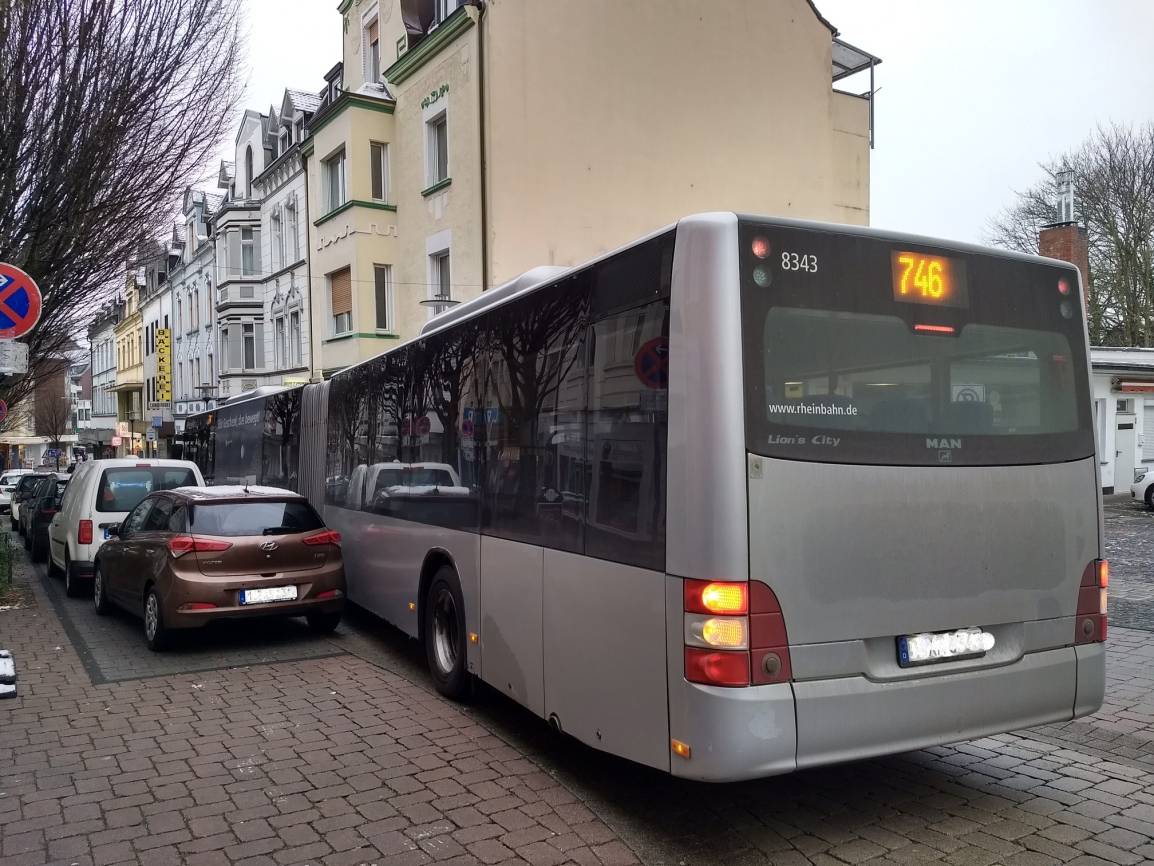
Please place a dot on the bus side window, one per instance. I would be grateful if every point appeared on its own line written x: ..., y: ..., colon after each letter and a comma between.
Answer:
x: 627, y: 430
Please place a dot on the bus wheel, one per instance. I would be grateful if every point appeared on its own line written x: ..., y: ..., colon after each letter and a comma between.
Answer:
x: 445, y: 634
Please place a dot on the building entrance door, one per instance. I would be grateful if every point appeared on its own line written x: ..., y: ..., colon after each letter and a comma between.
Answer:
x: 1124, y: 453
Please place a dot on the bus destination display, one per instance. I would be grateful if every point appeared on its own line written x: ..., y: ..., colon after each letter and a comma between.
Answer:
x: 922, y: 278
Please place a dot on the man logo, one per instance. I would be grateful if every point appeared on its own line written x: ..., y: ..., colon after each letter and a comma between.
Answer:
x: 939, y: 444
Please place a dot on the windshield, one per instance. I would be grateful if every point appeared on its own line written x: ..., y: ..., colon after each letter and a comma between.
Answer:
x: 860, y: 350
x: 254, y: 518
x: 122, y: 489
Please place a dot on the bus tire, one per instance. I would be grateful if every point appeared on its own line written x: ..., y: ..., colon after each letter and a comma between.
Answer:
x: 444, y: 630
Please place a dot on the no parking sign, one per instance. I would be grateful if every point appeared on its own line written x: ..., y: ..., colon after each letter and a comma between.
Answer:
x: 19, y: 302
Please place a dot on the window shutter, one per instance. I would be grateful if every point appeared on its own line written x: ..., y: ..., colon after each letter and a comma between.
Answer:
x: 256, y: 256
x: 341, y: 286
x: 374, y: 31
x: 259, y: 345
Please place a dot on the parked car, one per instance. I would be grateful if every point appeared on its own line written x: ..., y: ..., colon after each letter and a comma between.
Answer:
x: 24, y: 487
x: 100, y: 496
x: 8, y: 486
x: 186, y: 557
x: 38, y: 511
x: 1143, y: 487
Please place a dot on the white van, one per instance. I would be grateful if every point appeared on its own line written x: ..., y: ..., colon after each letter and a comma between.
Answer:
x: 7, y: 487
x: 99, y: 496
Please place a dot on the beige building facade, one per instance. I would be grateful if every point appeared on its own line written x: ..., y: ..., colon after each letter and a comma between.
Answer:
x: 461, y: 144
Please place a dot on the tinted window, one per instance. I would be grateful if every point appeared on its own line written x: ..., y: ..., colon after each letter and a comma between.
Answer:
x: 27, y: 484
x: 439, y: 479
x: 199, y: 441
x: 280, y: 455
x: 178, y: 522
x: 123, y: 487
x: 874, y: 353
x: 157, y: 520
x: 533, y: 401
x: 239, y: 433
x: 58, y: 496
x: 627, y: 437
x: 134, y: 522
x: 253, y: 518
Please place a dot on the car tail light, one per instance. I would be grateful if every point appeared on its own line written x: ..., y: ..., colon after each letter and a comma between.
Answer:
x: 325, y: 536
x: 328, y: 593
x: 1090, y: 624
x: 84, y: 532
x: 179, y: 545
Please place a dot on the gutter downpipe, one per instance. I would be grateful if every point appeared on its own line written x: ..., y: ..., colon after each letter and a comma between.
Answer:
x: 480, y: 5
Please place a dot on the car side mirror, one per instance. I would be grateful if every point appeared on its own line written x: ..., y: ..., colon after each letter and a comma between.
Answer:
x: 113, y: 531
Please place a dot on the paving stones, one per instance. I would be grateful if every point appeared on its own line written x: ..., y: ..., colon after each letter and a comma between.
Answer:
x: 350, y: 759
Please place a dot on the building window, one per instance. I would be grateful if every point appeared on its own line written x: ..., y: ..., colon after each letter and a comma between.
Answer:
x: 445, y: 8
x: 440, y: 280
x: 295, y: 337
x: 341, y: 301
x: 248, y: 172
x: 334, y: 177
x: 179, y: 314
x: 248, y: 336
x: 293, y: 243
x: 279, y: 347
x: 437, y: 135
x: 277, y: 251
x: 285, y: 138
x: 383, y: 285
x: 373, y: 52
x: 249, y: 251
x: 379, y: 155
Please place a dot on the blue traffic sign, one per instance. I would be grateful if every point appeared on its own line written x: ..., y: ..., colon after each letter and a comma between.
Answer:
x: 19, y: 302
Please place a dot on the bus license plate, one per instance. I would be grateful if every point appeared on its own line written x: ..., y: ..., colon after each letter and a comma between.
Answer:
x: 944, y: 646
x: 267, y: 594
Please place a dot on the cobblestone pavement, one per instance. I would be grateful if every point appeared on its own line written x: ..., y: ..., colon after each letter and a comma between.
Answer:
x: 1130, y: 549
x: 348, y: 758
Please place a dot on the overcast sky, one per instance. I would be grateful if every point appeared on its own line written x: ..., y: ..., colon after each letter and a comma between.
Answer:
x: 972, y: 95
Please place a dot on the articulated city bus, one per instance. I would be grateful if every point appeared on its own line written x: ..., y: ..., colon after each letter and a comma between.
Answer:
x: 744, y: 497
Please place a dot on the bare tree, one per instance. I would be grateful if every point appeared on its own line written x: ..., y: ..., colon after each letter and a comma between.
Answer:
x: 109, y: 109
x: 1114, y: 198
x: 53, y: 415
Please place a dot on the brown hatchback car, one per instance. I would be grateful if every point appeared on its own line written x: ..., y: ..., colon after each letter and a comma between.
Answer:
x: 185, y: 557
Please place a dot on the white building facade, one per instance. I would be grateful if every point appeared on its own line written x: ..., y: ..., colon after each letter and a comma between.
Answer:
x: 102, y: 355
x: 1122, y: 387
x: 284, y: 232
x: 194, y: 384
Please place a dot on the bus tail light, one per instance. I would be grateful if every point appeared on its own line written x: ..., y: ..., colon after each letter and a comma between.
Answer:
x: 1090, y: 623
x: 706, y: 596
x: 769, y: 660
x: 84, y: 532
x: 716, y: 632
x: 716, y: 668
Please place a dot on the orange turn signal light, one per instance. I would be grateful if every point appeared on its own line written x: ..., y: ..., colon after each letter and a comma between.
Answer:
x: 681, y: 749
x: 704, y: 596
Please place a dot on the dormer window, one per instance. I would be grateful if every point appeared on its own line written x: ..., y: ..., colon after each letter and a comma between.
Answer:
x: 373, y: 51
x: 285, y: 138
x: 248, y: 172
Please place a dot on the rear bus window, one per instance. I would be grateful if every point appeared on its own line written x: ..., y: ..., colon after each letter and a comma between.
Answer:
x: 123, y: 489
x: 254, y: 518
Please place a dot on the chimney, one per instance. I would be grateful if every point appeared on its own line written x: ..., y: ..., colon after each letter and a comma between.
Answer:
x: 1065, y: 239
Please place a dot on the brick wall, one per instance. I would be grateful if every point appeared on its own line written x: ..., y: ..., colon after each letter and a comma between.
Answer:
x: 1070, y: 243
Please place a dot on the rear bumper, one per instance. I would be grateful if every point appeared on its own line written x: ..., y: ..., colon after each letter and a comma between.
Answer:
x: 851, y: 718
x: 197, y: 619
x: 766, y: 730
x: 82, y: 568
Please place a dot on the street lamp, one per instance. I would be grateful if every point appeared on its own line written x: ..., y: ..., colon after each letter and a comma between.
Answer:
x: 133, y: 417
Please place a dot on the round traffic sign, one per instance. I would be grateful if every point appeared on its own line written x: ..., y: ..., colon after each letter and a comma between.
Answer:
x: 651, y: 363
x: 19, y: 301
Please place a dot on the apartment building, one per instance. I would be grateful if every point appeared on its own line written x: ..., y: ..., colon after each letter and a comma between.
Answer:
x: 194, y: 344
x: 459, y: 144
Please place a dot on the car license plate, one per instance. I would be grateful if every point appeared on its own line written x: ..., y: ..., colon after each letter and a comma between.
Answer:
x: 267, y: 594
x: 943, y: 646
